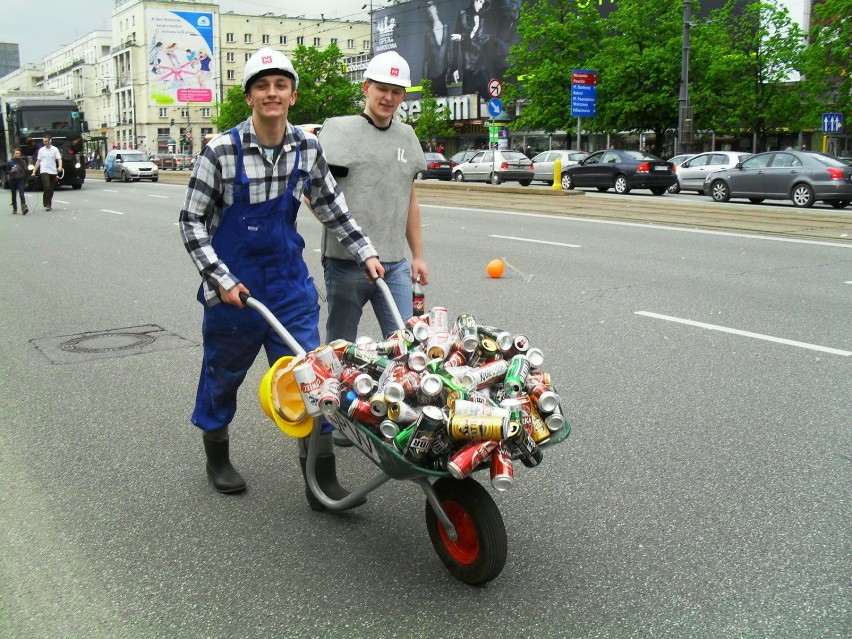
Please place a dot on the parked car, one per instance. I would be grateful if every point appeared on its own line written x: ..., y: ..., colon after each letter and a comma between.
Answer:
x: 462, y: 156
x: 676, y: 161
x: 127, y: 165
x: 691, y: 173
x: 801, y: 176
x: 496, y: 167
x: 544, y: 161
x: 622, y: 170
x: 176, y: 161
x: 437, y: 166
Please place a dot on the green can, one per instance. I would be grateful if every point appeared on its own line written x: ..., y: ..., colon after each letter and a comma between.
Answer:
x: 516, y: 375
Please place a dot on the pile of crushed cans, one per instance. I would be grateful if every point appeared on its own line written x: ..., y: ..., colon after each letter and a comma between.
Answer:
x: 446, y: 397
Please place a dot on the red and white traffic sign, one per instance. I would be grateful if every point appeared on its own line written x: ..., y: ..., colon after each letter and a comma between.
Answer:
x: 495, y: 88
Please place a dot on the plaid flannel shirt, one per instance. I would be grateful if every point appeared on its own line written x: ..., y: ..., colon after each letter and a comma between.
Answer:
x: 210, y: 191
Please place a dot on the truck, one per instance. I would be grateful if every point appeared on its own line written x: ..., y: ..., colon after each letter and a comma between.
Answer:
x: 27, y: 117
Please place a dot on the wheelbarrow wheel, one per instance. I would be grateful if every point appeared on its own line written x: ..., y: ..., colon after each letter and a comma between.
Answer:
x: 479, y: 553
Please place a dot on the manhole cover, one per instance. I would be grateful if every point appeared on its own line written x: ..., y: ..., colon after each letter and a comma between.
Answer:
x: 106, y: 343
x: 118, y: 342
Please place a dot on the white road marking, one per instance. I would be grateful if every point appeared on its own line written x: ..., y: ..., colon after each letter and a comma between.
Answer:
x: 110, y: 211
x: 734, y: 331
x: 162, y: 197
x: 526, y: 239
x: 646, y: 226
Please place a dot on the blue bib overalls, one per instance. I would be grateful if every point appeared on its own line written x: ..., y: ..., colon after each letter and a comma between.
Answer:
x: 262, y: 248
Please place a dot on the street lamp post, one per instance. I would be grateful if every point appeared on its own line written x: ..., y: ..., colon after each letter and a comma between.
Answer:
x: 684, y: 118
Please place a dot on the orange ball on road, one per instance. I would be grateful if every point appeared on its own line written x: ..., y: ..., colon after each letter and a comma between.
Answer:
x: 495, y: 268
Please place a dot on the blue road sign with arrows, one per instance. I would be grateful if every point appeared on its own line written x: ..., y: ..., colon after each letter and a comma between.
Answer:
x: 832, y: 123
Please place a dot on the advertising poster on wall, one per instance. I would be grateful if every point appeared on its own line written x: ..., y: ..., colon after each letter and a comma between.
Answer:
x: 180, y: 57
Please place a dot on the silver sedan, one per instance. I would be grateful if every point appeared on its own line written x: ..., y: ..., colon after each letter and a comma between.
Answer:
x: 691, y: 173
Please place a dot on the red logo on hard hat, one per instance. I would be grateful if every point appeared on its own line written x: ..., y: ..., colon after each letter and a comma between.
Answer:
x: 267, y: 59
x: 394, y: 71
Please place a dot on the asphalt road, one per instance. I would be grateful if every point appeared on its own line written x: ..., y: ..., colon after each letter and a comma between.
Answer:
x: 704, y: 491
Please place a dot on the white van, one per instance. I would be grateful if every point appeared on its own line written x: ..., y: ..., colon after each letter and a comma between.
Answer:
x: 127, y: 164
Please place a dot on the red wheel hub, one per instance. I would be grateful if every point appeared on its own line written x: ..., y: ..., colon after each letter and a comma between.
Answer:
x: 465, y: 549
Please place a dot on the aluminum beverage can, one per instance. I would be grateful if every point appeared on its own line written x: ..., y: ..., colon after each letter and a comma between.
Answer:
x: 378, y: 405
x: 483, y: 375
x: 502, y: 469
x: 309, y: 380
x: 326, y: 356
x: 420, y: 330
x: 359, y: 410
x: 417, y: 360
x: 439, y: 319
x: 502, y: 338
x: 536, y: 357
x: 403, y: 385
x: 520, y: 344
x: 556, y: 420
x: 364, y: 384
x: 519, y: 439
x: 540, y: 377
x: 347, y: 375
x: 455, y: 358
x: 468, y: 336
x: 465, y: 460
x: 430, y: 388
x: 402, y: 413
x: 468, y: 407
x: 393, y: 346
x: 439, y: 344
x: 531, y: 419
x: 329, y: 398
x: 516, y: 375
x: 544, y: 398
x: 400, y: 441
x: 478, y: 427
x: 388, y: 428
x: 430, y: 420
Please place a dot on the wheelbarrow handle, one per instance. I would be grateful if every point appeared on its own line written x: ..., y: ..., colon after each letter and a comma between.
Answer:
x: 277, y: 326
x: 383, y: 287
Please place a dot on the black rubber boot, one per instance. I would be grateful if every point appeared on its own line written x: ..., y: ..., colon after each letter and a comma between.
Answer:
x: 224, y: 476
x: 326, y: 472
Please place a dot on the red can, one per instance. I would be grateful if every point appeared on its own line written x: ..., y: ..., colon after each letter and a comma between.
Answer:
x: 502, y: 470
x: 467, y: 458
x: 359, y: 410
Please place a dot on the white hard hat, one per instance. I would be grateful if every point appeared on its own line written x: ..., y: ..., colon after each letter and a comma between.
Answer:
x: 268, y: 61
x: 389, y: 68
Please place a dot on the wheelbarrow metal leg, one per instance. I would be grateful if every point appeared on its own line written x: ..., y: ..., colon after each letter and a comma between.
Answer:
x: 432, y: 498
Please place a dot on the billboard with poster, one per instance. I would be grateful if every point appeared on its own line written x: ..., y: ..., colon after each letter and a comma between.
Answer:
x: 460, y: 45
x: 180, y: 57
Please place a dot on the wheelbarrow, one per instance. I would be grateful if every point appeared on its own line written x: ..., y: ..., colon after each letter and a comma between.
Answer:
x: 463, y: 521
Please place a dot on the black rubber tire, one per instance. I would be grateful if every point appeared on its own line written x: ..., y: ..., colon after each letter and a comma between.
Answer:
x: 107, y: 178
x: 756, y: 200
x: 719, y: 191
x: 76, y: 187
x: 495, y: 179
x: 124, y: 177
x: 458, y: 176
x: 603, y: 189
x: 567, y: 182
x: 154, y: 179
x: 479, y: 553
x: 419, y: 176
x: 802, y: 195
x: 621, y: 185
x: 674, y: 188
x: 659, y: 190
x: 525, y: 182
x: 838, y: 204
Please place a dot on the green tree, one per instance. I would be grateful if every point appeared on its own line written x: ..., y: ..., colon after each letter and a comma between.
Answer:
x: 556, y: 36
x: 434, y: 120
x: 638, y: 68
x: 749, y: 56
x: 828, y: 59
x: 324, y: 91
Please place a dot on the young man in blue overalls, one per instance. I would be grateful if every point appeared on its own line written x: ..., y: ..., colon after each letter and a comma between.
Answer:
x: 238, y: 223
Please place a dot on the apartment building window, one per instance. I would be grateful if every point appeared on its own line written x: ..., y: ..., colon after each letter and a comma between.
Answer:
x: 164, y: 112
x: 247, y: 38
x: 206, y: 130
x: 265, y: 39
x: 230, y: 56
x: 316, y: 42
x: 350, y: 43
x: 300, y: 40
x: 232, y: 75
x: 282, y: 39
x: 246, y: 56
x: 366, y: 45
x: 184, y: 113
x: 334, y: 40
x: 205, y: 112
x: 229, y: 37
x: 162, y: 133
